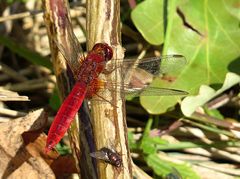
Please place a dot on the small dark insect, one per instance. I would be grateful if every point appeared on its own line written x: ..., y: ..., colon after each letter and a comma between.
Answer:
x: 108, y: 155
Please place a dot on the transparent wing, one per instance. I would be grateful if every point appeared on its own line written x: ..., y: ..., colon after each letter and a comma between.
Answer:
x: 147, y: 68
x: 105, y: 88
x: 138, y: 75
x: 101, y: 155
x: 154, y: 65
x: 69, y: 46
x: 137, y: 91
x: 153, y: 91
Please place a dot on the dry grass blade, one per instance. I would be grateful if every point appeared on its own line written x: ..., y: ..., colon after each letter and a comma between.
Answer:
x: 19, y: 15
x: 31, y: 13
x: 29, y: 85
x: 10, y: 72
x: 7, y: 95
x: 12, y: 113
x: 22, y: 72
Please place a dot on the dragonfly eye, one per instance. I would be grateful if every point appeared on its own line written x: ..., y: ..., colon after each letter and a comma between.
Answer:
x: 105, y: 49
x: 108, y: 52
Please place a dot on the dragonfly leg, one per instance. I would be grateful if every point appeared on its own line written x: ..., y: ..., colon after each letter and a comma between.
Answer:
x: 106, y: 100
x: 108, y: 71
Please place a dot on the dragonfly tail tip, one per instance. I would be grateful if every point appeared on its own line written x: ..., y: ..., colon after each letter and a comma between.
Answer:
x: 47, y: 149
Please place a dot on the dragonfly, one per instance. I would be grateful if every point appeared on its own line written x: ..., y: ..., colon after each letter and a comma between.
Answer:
x: 86, y: 71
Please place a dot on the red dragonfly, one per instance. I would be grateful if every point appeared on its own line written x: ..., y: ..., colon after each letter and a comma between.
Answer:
x: 86, y: 71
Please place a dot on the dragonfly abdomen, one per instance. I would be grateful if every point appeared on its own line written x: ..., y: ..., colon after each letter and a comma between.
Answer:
x: 66, y: 114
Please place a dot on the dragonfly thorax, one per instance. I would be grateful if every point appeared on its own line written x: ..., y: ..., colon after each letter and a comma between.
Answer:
x: 91, y: 68
x: 95, y: 63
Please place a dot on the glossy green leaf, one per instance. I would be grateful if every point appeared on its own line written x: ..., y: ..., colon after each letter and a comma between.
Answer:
x: 163, y: 167
x: 148, y: 18
x: 211, y: 46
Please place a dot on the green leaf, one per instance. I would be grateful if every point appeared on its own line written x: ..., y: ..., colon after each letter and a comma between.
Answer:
x: 54, y: 100
x: 206, y: 93
x: 148, y: 18
x: 131, y: 141
x: 151, y: 145
x: 24, y: 52
x: 233, y: 7
x: 148, y: 144
x: 214, y: 113
x: 211, y: 46
x: 163, y: 167
x: 62, y: 149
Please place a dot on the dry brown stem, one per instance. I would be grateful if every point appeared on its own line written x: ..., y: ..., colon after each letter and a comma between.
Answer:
x: 109, y: 121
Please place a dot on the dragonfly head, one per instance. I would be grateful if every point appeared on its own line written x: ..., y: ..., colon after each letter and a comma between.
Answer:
x: 103, y: 49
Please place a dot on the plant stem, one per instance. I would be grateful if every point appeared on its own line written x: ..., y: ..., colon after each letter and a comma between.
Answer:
x: 109, y: 120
